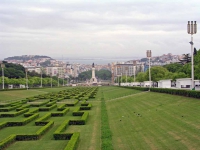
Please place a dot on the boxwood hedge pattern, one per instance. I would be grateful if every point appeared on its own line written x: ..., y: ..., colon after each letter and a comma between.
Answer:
x: 31, y: 106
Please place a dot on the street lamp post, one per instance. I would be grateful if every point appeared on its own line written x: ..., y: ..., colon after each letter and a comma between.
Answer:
x: 134, y: 66
x: 192, y: 29
x: 118, y: 75
x: 121, y: 77
x: 149, y: 56
x: 26, y: 70
x: 126, y: 73
x: 51, y: 79
x: 2, y: 66
x: 41, y: 77
x: 58, y: 79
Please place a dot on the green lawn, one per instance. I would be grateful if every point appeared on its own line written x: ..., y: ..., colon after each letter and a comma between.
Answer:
x: 89, y: 133
x: 154, y: 121
x: 14, y: 95
x: 137, y: 120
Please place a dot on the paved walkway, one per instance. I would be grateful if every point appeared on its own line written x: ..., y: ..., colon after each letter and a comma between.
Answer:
x: 125, y: 96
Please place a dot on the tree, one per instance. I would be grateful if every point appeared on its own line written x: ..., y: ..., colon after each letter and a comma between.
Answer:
x: 157, y: 73
x: 141, y: 76
x: 173, y: 67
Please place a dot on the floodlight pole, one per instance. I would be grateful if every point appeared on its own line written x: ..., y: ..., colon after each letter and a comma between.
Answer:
x: 126, y: 75
x: 58, y: 79
x: 41, y: 77
x: 121, y: 78
x: 192, y: 29
x: 149, y: 56
x: 26, y: 78
x: 134, y: 67
x: 2, y: 66
x: 51, y: 79
x: 118, y: 75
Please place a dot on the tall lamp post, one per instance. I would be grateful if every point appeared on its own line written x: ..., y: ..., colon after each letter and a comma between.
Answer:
x: 2, y: 67
x: 192, y: 29
x: 118, y: 75
x: 26, y: 70
x: 51, y: 79
x: 41, y: 76
x: 58, y: 79
x: 126, y: 73
x: 149, y: 56
x: 134, y: 67
x: 121, y: 77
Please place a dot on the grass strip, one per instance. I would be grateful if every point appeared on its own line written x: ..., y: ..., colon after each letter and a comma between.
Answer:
x: 106, y: 135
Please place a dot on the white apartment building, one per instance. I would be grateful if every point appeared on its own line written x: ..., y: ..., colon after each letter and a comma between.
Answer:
x: 55, y: 71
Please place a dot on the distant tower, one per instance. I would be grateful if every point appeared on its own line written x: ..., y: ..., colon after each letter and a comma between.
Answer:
x: 93, y: 71
x: 93, y: 80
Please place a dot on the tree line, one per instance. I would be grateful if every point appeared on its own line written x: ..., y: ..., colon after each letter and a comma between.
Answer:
x: 172, y: 71
x: 101, y: 74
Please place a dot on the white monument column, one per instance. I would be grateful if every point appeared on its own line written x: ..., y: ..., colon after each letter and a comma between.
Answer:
x: 93, y: 71
x: 93, y: 80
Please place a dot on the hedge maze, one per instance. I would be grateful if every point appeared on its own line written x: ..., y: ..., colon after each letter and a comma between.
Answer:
x: 32, y: 118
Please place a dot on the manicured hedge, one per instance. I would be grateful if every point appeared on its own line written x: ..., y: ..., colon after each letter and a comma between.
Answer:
x: 22, y: 107
x: 42, y: 130
x: 106, y: 134
x: 14, y: 114
x: 40, y: 121
x: 31, y: 112
x: 50, y: 103
x: 73, y: 104
x: 61, y: 107
x: 26, y: 137
x: 181, y: 92
x: 82, y: 121
x: 10, y: 108
x: 188, y: 93
x: 85, y: 116
x: 23, y: 122
x: 62, y: 113
x: 76, y: 112
x: 73, y: 142
x: 4, y: 105
x: 37, y: 135
x: 39, y: 104
x: 62, y: 136
x: 3, y: 124
x: 7, y: 141
x: 47, y: 108
x: 30, y: 118
x: 88, y: 107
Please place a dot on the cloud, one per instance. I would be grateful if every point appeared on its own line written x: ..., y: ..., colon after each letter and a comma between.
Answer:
x: 96, y: 29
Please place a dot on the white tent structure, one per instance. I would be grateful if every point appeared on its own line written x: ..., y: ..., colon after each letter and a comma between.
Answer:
x: 164, y: 83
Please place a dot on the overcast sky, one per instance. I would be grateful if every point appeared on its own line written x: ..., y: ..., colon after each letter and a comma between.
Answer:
x: 106, y: 28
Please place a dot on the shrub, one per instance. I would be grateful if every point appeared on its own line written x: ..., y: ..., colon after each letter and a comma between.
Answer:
x: 88, y: 107
x: 62, y: 113
x: 57, y: 134
x: 61, y: 107
x: 40, y: 121
x: 3, y: 124
x: 14, y: 114
x: 42, y: 130
x: 47, y: 108
x: 7, y: 141
x: 72, y: 144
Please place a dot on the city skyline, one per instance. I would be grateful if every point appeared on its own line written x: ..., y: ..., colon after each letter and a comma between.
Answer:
x: 96, y: 29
